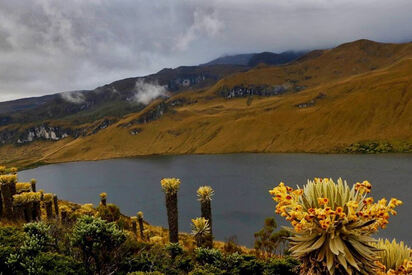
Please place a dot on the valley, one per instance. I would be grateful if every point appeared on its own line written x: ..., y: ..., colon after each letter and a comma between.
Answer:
x: 356, y: 97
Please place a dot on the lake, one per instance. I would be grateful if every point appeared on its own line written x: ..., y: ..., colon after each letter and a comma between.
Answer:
x: 241, y: 183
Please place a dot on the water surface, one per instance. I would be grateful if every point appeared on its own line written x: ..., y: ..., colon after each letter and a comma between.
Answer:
x: 241, y: 183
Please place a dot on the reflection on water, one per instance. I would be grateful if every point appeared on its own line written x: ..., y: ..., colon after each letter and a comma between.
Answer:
x: 241, y: 183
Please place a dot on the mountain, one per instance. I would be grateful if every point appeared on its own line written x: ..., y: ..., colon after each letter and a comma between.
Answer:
x: 269, y: 58
x: 238, y: 59
x: 254, y: 59
x: 114, y: 99
x: 355, y: 97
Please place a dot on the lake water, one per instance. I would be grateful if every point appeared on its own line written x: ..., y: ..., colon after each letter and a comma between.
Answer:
x: 241, y: 183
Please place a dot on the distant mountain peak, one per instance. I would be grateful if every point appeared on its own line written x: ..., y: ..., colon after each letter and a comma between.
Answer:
x: 253, y: 59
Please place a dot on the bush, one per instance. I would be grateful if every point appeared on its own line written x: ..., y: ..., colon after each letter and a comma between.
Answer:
x: 206, y: 270
x: 268, y: 241
x: 251, y: 266
x: 98, y: 241
x: 52, y: 263
x: 145, y: 273
x: 11, y: 238
x: 110, y: 212
x: 174, y: 249
x: 208, y: 256
x: 281, y: 266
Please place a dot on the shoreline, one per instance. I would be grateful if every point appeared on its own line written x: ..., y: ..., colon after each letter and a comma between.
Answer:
x: 43, y: 163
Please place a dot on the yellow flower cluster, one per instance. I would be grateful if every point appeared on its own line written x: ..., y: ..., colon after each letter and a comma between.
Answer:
x: 8, y: 178
x: 23, y: 187
x: 26, y: 197
x: 200, y: 226
x: 48, y: 197
x: 364, y: 187
x: 205, y: 193
x: 325, y: 216
x: 404, y: 269
x: 170, y: 185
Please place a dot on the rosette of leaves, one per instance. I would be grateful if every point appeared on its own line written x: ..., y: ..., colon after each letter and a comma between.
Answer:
x: 396, y: 258
x: 200, y: 230
x: 332, y: 224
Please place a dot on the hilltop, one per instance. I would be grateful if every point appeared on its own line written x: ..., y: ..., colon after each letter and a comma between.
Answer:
x: 355, y: 97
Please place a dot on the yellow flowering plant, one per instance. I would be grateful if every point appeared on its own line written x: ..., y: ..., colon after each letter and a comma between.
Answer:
x: 205, y: 193
x: 170, y: 185
x: 332, y: 224
x: 394, y: 258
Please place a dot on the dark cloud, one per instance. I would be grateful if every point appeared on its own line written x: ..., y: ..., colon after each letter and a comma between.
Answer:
x: 52, y: 45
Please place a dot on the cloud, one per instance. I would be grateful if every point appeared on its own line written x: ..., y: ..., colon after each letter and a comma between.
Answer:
x: 73, y: 97
x: 48, y: 46
x: 146, y: 91
x: 205, y: 23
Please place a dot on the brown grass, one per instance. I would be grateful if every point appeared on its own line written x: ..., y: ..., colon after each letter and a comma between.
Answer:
x: 368, y: 88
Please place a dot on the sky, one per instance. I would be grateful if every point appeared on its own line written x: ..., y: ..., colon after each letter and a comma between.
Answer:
x: 49, y: 46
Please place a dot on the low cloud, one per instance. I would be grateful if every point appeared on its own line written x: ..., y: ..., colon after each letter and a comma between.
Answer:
x: 73, y: 97
x: 47, y: 46
x: 148, y: 91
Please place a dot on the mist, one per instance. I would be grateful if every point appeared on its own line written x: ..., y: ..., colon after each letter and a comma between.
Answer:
x: 73, y: 97
x: 47, y: 46
x: 145, y: 92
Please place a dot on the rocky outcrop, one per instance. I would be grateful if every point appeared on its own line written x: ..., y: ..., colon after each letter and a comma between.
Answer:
x: 48, y: 132
x: 102, y: 125
x: 135, y: 131
x: 153, y: 114
x: 241, y: 91
x: 311, y: 102
x: 41, y: 132
x: 263, y: 90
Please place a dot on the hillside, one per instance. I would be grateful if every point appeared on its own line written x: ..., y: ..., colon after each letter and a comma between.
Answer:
x: 253, y: 59
x: 326, y: 101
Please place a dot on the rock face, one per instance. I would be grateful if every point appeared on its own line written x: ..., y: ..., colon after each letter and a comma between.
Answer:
x: 153, y: 114
x: 46, y: 132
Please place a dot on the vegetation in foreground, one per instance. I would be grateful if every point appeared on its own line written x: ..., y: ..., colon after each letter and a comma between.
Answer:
x: 331, y: 234
x: 333, y: 226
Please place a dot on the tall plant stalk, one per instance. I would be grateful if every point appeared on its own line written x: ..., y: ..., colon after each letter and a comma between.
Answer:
x: 204, y: 194
x: 141, y: 225
x: 170, y: 187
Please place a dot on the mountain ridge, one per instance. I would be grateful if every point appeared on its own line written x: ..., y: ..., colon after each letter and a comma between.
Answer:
x: 336, y: 100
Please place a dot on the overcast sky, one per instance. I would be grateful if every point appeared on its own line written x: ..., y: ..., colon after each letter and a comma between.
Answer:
x: 49, y: 46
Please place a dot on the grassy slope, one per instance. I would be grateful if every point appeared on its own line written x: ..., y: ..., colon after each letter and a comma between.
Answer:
x: 368, y: 88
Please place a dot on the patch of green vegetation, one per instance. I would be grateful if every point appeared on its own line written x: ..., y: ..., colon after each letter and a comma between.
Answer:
x: 372, y: 147
x: 95, y: 246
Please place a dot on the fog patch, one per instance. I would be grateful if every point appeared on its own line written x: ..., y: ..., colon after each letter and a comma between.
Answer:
x: 73, y: 97
x: 145, y: 92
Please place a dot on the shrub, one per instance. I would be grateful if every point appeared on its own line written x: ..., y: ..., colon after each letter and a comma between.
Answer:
x: 206, y: 269
x: 36, y: 240
x: 109, y: 212
x: 281, y: 266
x: 98, y: 241
x: 174, y: 249
x: 251, y: 266
x: 11, y: 238
x: 268, y: 241
x: 208, y: 256
x: 332, y: 224
x: 49, y: 263
x: 145, y: 273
